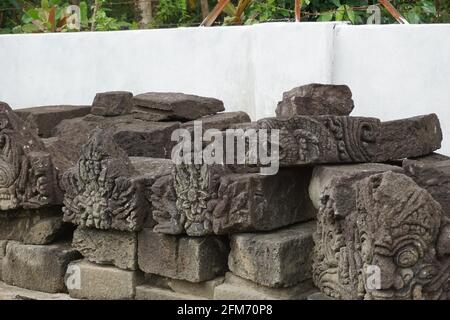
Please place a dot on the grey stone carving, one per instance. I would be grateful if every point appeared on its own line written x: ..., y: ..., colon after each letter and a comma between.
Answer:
x: 27, y: 175
x: 103, y: 191
x: 392, y: 244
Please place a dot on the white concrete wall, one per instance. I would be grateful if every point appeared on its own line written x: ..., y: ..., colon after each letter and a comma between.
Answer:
x: 243, y: 66
x: 394, y: 71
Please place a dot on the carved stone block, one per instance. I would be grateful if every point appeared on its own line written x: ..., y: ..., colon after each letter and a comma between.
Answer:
x: 194, y: 259
x: 280, y: 258
x: 316, y: 99
x: 104, y: 190
x: 211, y: 199
x: 110, y: 247
x: 112, y: 103
x: 177, y: 106
x: 339, y: 139
x: 324, y: 139
x: 392, y: 244
x: 37, y: 267
x: 28, y: 178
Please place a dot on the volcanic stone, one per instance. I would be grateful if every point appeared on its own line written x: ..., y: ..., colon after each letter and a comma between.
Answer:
x: 220, y: 121
x: 235, y: 202
x: 112, y: 103
x: 37, y: 267
x: 433, y: 177
x: 236, y: 288
x: 147, y: 292
x: 137, y: 137
x: 178, y: 106
x: 179, y: 257
x: 323, y: 174
x: 109, y: 247
x: 46, y: 118
x: 407, y: 138
x: 104, y: 282
x: 316, y: 99
x: 277, y: 259
x: 40, y: 226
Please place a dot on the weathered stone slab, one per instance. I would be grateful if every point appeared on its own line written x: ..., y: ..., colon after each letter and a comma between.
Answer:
x: 319, y: 296
x: 281, y: 258
x: 433, y: 177
x: 41, y: 226
x: 201, y: 290
x: 104, y: 190
x: 220, y: 121
x: 324, y: 139
x: 339, y: 139
x: 411, y: 137
x: 431, y: 158
x: 8, y: 292
x: 28, y: 178
x: 112, y: 103
x: 3, y: 244
x: 102, y: 282
x: 146, y: 292
x: 213, y: 200
x: 316, y: 99
x: 349, y: 173
x: 139, y: 138
x: 110, y: 247
x: 393, y: 243
x: 46, y: 118
x: 177, y: 106
x: 194, y: 259
x: 236, y: 288
x: 37, y: 267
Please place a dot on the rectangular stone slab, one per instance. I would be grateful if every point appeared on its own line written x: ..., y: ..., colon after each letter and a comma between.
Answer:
x: 236, y: 288
x: 103, y: 282
x: 407, y: 138
x: 341, y: 139
x: 177, y: 105
x: 433, y: 177
x: 220, y: 121
x: 37, y: 267
x: 111, y: 247
x: 227, y: 202
x: 139, y: 138
x: 41, y: 226
x: 194, y: 259
x: 146, y: 292
x: 46, y: 118
x: 316, y: 99
x: 280, y: 258
x: 322, y: 176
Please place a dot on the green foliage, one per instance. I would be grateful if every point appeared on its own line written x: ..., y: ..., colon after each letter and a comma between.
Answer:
x: 101, y: 15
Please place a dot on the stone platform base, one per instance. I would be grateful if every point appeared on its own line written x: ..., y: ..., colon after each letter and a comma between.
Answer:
x: 8, y: 292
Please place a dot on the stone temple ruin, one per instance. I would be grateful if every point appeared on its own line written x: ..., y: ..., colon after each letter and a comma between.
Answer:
x: 93, y: 206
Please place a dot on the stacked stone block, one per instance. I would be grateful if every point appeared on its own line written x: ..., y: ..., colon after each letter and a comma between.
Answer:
x: 148, y: 228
